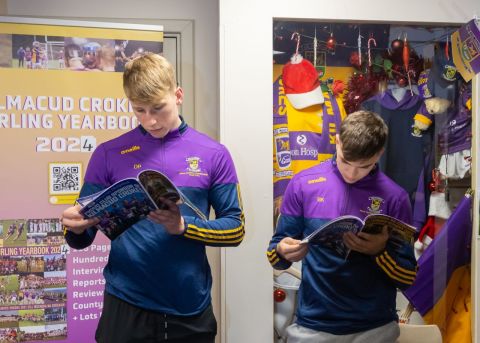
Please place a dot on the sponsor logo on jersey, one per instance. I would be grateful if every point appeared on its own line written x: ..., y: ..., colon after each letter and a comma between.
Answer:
x: 301, y: 139
x: 131, y: 149
x: 303, y: 147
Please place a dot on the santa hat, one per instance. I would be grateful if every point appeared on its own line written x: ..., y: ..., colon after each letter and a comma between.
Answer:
x: 427, y: 234
x: 300, y: 79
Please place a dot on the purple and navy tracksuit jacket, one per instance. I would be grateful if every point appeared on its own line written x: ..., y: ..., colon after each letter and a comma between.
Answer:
x: 148, y: 267
x: 336, y: 295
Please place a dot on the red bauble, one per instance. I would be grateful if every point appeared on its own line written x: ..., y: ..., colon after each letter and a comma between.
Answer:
x: 397, y: 45
x: 279, y: 295
x: 431, y: 186
x: 355, y: 59
x: 331, y: 42
x: 402, y: 82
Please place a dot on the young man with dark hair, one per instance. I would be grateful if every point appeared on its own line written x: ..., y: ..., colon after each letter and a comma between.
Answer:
x: 340, y: 300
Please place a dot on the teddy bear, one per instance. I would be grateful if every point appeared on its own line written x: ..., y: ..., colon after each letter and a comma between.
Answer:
x: 430, y: 106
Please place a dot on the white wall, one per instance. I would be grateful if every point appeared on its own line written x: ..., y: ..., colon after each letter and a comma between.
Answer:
x: 246, y: 127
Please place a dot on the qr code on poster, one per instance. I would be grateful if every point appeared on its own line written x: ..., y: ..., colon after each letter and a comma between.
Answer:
x: 65, y: 178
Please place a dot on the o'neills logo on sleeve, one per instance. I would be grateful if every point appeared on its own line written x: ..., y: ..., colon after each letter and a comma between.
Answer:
x: 131, y: 149
x: 317, y: 180
x: 193, y: 167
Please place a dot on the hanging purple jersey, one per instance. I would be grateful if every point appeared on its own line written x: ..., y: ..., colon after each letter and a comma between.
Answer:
x: 456, y: 135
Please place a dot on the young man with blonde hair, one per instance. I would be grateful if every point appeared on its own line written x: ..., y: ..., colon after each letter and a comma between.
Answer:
x: 158, y: 279
x: 342, y: 300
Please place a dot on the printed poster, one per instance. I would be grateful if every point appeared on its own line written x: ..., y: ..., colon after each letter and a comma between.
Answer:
x: 466, y: 49
x: 60, y: 96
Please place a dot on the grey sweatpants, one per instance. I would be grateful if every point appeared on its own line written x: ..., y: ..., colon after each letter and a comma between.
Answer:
x: 384, y: 334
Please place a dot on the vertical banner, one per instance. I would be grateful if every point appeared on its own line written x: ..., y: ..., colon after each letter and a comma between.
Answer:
x: 60, y: 96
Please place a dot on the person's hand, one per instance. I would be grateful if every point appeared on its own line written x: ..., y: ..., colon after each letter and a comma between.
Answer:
x: 291, y: 249
x: 170, y: 217
x: 366, y: 243
x: 73, y: 221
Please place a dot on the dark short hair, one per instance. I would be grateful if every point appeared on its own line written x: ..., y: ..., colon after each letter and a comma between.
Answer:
x: 362, y: 135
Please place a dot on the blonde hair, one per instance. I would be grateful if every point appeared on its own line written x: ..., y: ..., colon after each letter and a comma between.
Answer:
x: 148, y: 78
x: 362, y: 135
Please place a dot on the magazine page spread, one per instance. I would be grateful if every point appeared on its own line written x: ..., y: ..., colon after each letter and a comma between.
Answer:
x: 130, y: 200
x: 158, y: 186
x: 330, y: 235
x: 119, y: 207
x: 399, y: 231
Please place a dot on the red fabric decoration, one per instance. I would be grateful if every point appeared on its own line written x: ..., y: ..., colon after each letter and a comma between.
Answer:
x: 359, y: 89
x: 338, y: 87
x: 427, y: 234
